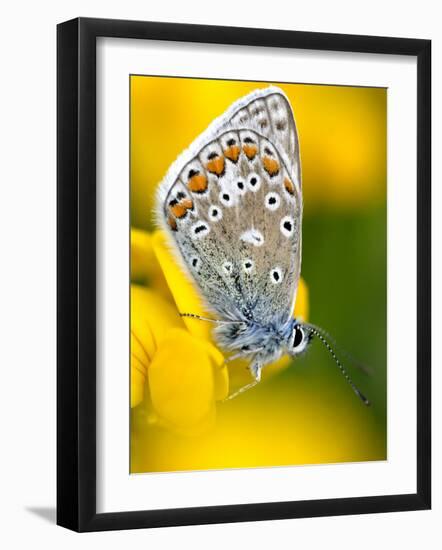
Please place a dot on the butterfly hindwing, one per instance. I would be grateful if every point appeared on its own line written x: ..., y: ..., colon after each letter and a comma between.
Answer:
x: 269, y: 112
x: 234, y: 213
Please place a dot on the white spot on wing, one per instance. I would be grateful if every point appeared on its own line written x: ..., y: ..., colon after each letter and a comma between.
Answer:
x: 226, y: 198
x: 241, y: 188
x: 253, y: 236
x: 215, y: 213
x: 199, y: 230
x: 254, y: 182
x: 287, y: 226
x: 272, y: 201
x: 276, y: 275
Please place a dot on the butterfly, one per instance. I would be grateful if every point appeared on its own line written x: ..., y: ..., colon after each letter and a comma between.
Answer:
x: 231, y: 205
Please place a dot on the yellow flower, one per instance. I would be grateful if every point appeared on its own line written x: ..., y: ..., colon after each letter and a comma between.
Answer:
x: 177, y: 372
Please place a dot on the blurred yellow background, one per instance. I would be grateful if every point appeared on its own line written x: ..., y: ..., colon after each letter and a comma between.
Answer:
x: 342, y: 133
x: 305, y: 413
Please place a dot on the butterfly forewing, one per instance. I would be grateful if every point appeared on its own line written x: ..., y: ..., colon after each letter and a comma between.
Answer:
x: 234, y: 211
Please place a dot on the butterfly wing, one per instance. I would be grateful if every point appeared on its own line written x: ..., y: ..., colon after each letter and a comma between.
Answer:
x: 269, y: 112
x: 232, y: 206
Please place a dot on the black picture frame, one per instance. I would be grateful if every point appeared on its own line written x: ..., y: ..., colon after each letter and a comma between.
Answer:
x: 76, y: 274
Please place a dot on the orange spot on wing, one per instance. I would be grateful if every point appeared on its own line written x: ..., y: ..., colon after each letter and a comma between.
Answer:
x: 197, y: 183
x: 187, y: 204
x: 271, y: 166
x: 250, y: 151
x: 232, y: 153
x: 178, y: 210
x: 216, y: 165
x: 289, y: 187
x: 172, y: 223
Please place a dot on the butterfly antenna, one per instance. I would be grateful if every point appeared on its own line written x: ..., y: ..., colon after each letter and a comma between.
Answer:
x: 354, y: 362
x: 208, y: 319
x: 324, y: 341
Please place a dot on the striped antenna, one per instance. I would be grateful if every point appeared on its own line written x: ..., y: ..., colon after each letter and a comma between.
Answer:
x: 318, y: 334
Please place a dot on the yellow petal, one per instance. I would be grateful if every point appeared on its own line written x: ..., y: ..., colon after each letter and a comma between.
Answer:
x: 151, y: 317
x: 144, y: 268
x: 181, y: 382
x: 138, y: 375
x: 220, y: 371
x: 183, y: 290
x: 301, y: 305
x: 141, y: 254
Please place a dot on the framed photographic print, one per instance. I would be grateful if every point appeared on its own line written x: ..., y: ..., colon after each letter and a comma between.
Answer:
x: 243, y: 274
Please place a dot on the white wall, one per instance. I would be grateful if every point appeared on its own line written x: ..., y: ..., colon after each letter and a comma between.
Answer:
x: 27, y: 289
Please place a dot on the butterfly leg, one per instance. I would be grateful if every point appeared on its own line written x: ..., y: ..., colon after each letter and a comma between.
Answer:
x: 233, y: 357
x: 241, y: 354
x: 255, y: 369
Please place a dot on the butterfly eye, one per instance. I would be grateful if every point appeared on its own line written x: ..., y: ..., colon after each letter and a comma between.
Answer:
x: 298, y: 337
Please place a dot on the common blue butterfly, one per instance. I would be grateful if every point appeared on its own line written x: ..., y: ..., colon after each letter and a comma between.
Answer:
x: 232, y: 207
